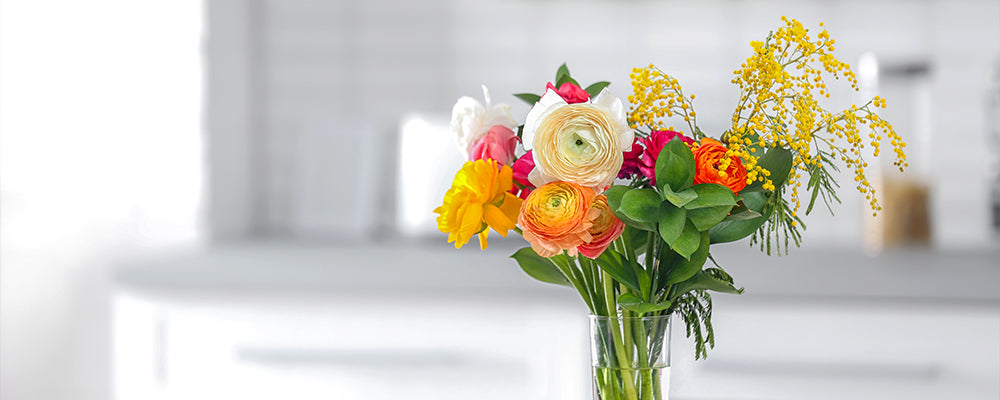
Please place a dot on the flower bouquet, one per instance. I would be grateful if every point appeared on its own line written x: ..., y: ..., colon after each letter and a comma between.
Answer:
x: 624, y: 208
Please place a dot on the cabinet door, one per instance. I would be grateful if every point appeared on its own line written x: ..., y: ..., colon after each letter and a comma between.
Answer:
x: 858, y: 351
x: 355, y: 348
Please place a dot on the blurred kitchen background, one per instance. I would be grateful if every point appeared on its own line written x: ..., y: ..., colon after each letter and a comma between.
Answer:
x: 233, y: 198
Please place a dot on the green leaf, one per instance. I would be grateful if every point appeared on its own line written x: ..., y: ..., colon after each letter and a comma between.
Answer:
x: 642, y: 205
x: 678, y: 199
x: 682, y: 269
x: 674, y: 166
x: 741, y: 214
x: 731, y: 230
x: 705, y: 218
x: 539, y: 267
x: 778, y: 162
x: 635, y: 304
x: 703, y: 281
x: 529, y: 98
x: 563, y: 76
x: 688, y: 242
x: 711, y: 195
x: 615, y: 194
x: 636, y: 240
x: 619, y: 268
x: 562, y: 71
x: 595, y: 89
x: 671, y: 222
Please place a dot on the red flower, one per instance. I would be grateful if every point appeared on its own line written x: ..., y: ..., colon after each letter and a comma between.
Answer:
x: 522, y: 167
x: 630, y: 167
x: 570, y: 92
x: 654, y: 144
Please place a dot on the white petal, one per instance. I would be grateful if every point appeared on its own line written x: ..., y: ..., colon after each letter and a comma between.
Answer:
x: 548, y: 102
x: 617, y: 109
x: 537, y: 178
x: 466, y: 121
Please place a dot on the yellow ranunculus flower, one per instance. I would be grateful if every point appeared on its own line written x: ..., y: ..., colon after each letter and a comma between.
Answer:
x: 479, y: 199
x: 580, y: 143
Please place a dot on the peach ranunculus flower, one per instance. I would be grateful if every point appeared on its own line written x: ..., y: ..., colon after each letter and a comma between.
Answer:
x: 479, y: 199
x: 580, y: 143
x: 712, y: 166
x: 558, y: 216
x: 607, y: 227
x: 471, y: 120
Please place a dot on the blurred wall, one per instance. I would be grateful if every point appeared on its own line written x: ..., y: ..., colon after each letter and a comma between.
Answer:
x: 100, y: 108
x: 310, y: 94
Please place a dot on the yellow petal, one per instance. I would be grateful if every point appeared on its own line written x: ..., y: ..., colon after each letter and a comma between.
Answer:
x: 483, y: 239
x: 496, y: 219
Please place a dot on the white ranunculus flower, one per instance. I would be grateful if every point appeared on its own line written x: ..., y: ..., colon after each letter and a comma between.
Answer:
x: 580, y: 143
x: 470, y: 120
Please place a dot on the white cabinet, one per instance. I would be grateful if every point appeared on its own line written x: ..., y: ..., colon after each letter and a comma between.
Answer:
x: 352, y: 347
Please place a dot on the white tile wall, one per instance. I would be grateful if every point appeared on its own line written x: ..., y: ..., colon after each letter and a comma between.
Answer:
x: 326, y: 61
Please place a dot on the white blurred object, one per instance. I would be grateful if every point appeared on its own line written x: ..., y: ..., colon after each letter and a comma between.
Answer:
x: 427, y: 165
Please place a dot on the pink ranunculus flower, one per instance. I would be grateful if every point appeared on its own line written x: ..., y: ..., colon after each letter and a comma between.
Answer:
x: 570, y: 92
x: 654, y: 144
x: 522, y: 167
x: 499, y: 143
x: 630, y: 166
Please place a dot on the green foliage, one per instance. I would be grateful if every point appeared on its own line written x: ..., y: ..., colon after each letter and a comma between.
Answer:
x: 529, y: 98
x: 711, y: 195
x: 563, y: 76
x: 741, y: 224
x: 821, y: 182
x: 642, y: 205
x: 683, y: 269
x: 596, y: 88
x: 539, y: 267
x: 674, y: 166
x: 619, y: 267
x: 635, y: 304
x: 671, y: 222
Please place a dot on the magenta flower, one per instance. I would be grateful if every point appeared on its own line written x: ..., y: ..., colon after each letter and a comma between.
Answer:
x: 569, y: 92
x: 497, y: 144
x: 654, y: 144
x: 630, y: 167
x: 522, y: 167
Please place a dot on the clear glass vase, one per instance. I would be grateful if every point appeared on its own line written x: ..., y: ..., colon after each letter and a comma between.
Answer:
x: 631, y: 357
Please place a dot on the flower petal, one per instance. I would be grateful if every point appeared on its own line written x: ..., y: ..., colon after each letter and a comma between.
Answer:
x: 550, y: 100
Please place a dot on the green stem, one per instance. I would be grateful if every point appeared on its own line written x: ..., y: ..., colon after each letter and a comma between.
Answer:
x: 616, y: 335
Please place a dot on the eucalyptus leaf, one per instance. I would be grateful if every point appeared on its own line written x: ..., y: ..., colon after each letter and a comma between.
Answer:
x: 671, y: 222
x: 674, y: 166
x: 529, y: 98
x: 539, y: 267
x: 635, y: 304
x: 683, y: 269
x: 642, y: 205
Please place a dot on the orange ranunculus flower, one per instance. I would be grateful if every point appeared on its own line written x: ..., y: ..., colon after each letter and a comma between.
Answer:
x: 557, y: 217
x: 479, y: 199
x: 712, y: 166
x: 607, y: 227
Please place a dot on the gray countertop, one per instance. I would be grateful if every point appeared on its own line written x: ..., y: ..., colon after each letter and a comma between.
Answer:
x: 971, y: 276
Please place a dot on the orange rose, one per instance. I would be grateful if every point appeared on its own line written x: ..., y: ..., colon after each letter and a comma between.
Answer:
x: 712, y: 166
x: 607, y: 227
x: 557, y: 217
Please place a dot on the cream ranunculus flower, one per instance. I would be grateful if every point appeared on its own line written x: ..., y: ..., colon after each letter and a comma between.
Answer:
x: 580, y: 143
x: 470, y: 120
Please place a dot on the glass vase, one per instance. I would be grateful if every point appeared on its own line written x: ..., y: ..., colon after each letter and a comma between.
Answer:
x: 631, y: 357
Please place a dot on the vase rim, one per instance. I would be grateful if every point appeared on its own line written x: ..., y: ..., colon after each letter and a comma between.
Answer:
x: 620, y: 318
